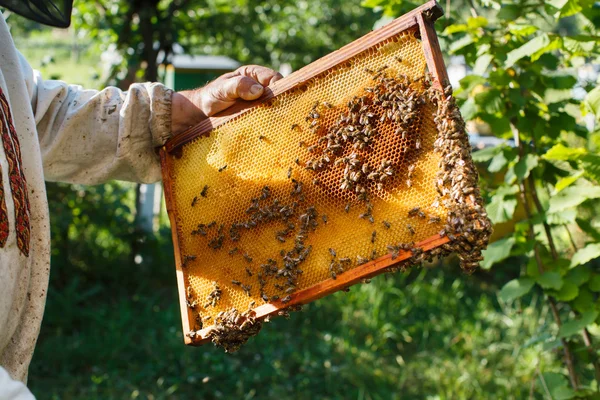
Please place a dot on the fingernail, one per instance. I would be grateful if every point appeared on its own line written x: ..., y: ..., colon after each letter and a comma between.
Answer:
x: 256, y: 89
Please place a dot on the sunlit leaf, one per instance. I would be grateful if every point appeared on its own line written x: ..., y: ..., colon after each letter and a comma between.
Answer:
x: 482, y: 63
x: 497, y: 251
x: 469, y: 109
x: 526, y: 50
x: 567, y: 181
x: 485, y: 154
x: 572, y: 196
x: 588, y: 253
x: 498, y: 162
x: 592, y: 102
x: 501, y: 209
x: 561, y: 152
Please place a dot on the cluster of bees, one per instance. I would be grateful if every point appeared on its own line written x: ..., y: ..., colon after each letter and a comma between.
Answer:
x: 347, y: 143
x: 389, y: 100
x: 231, y: 328
x: 467, y: 224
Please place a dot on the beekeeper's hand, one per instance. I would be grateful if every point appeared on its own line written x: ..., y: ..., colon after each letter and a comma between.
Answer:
x: 192, y: 106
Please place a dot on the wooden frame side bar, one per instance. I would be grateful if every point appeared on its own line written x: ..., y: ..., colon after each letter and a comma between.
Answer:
x: 172, y: 212
x: 433, y: 53
x: 326, y: 287
x: 407, y: 21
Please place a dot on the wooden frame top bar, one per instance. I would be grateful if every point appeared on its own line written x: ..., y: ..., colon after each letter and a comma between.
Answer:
x: 431, y: 10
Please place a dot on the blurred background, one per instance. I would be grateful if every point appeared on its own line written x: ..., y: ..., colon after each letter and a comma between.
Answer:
x: 526, y: 75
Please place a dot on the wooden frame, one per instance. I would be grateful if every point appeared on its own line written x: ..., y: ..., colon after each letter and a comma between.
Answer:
x: 421, y: 18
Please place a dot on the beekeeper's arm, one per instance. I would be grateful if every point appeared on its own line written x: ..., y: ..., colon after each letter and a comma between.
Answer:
x: 90, y: 136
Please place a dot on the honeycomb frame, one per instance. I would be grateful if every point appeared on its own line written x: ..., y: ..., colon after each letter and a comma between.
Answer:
x: 419, y: 23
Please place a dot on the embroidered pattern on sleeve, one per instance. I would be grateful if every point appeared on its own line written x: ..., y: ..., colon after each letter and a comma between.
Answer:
x: 18, y: 184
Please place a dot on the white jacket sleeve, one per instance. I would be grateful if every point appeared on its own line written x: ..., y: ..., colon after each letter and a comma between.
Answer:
x: 89, y: 136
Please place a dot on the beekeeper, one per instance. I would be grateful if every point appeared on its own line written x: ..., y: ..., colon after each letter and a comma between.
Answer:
x: 54, y: 131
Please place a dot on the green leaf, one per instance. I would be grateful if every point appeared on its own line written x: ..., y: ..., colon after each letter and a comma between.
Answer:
x: 497, y: 251
x: 563, y: 393
x: 588, y: 253
x: 572, y: 196
x: 455, y: 28
x: 567, y: 292
x: 498, y: 162
x: 573, y: 327
x: 554, y: 380
x: 564, y: 217
x: 567, y: 181
x: 555, y: 44
x: 525, y: 165
x: 560, y: 152
x: 571, y: 7
x: 516, y: 288
x: 460, y: 43
x: 482, y: 64
x: 594, y: 283
x: 485, y: 154
x: 490, y: 101
x: 584, y: 301
x: 587, y: 227
x: 592, y: 102
x: 550, y: 280
x: 468, y: 109
x: 501, y: 209
x: 509, y: 12
x: 477, y: 22
x: 579, y: 275
x: 526, y: 50
x: 522, y: 30
x: 591, y: 166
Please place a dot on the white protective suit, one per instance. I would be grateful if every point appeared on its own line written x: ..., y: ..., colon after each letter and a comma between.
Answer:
x: 58, y: 132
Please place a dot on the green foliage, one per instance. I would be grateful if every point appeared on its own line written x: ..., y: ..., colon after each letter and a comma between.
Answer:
x: 250, y: 31
x: 523, y: 57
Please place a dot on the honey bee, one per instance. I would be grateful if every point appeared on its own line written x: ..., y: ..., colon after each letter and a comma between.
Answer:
x: 332, y: 252
x: 373, y: 236
x: 238, y: 283
x: 261, y: 137
x: 186, y: 259
x: 248, y: 271
x: 361, y: 260
x: 386, y: 224
x: 414, y: 211
x: 223, y: 168
x: 286, y: 299
x: 289, y: 173
x: 324, y: 217
x: 294, y: 126
x: 247, y: 258
x: 410, y: 229
x: 204, y: 191
x: 194, y: 200
x: 328, y: 105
